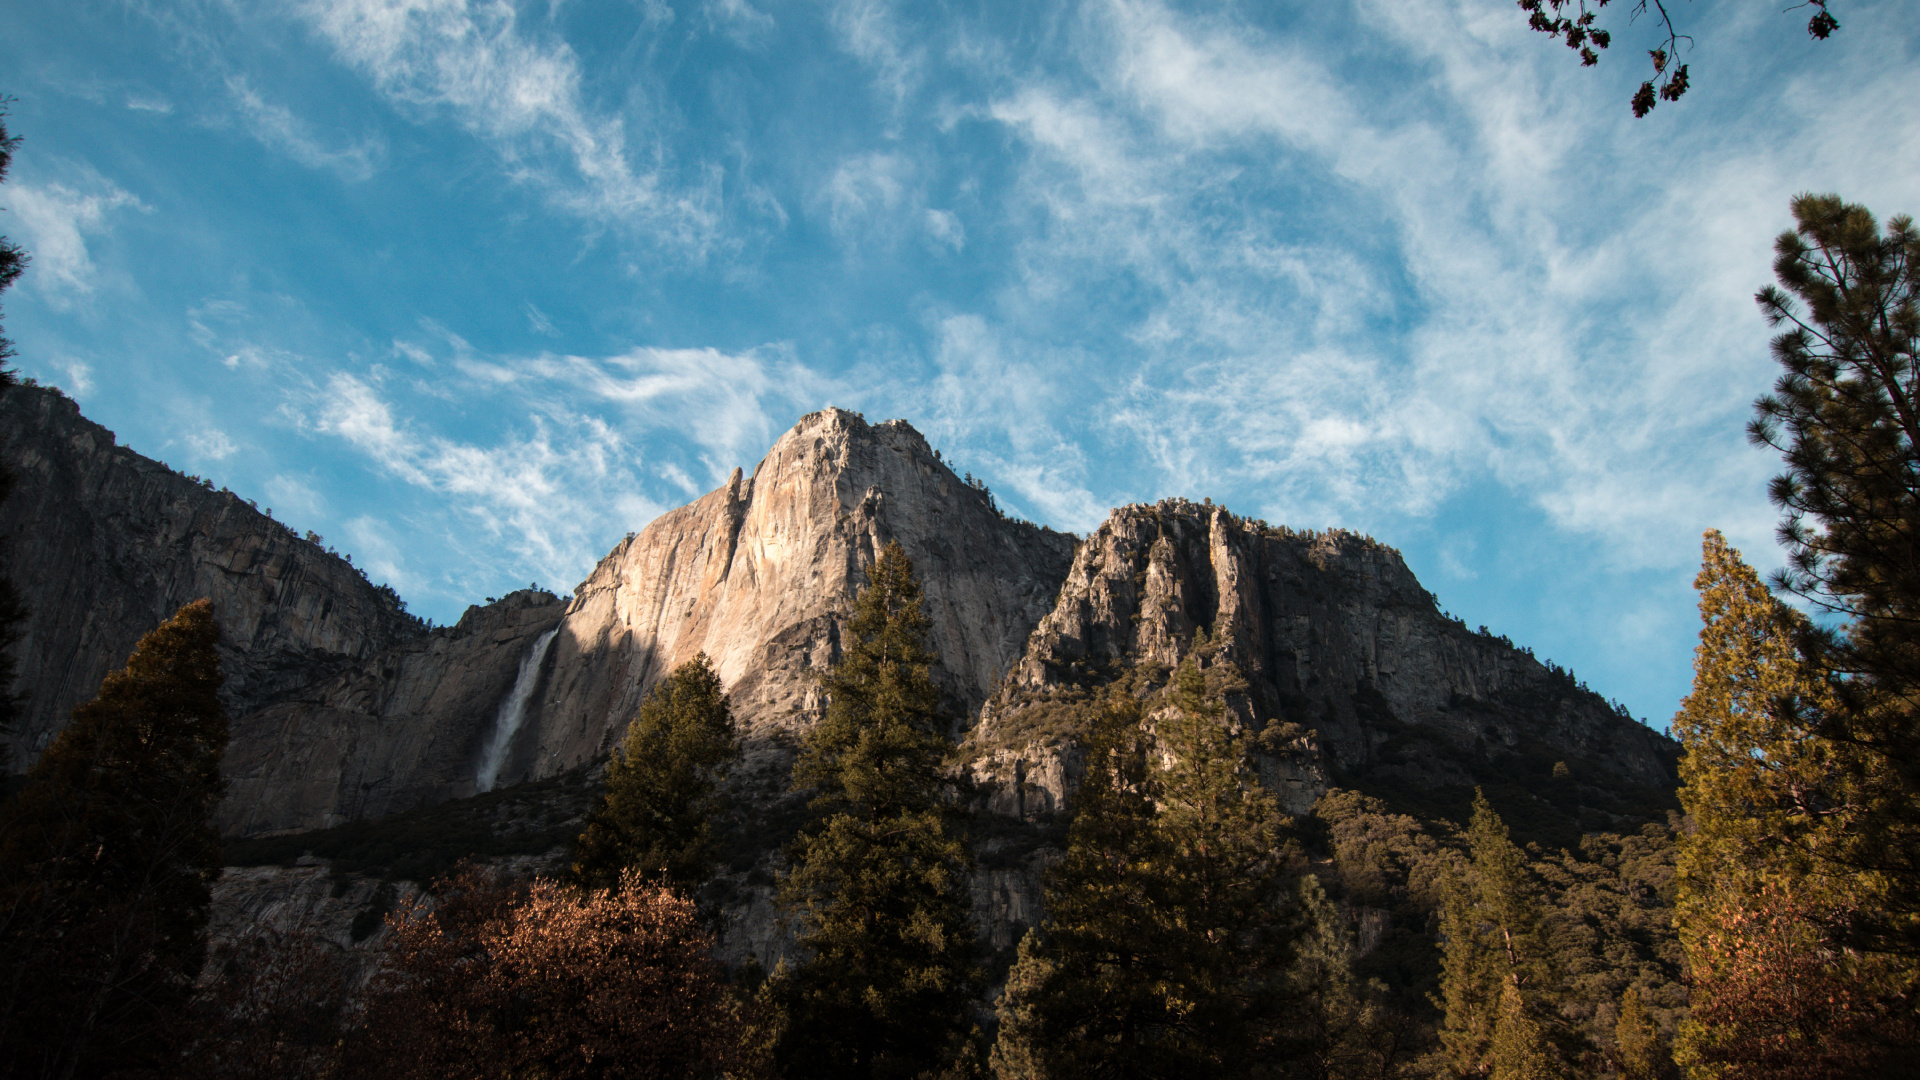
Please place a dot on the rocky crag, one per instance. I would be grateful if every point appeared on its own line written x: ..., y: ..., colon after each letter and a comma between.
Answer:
x: 107, y: 544
x: 1344, y: 653
x: 346, y: 710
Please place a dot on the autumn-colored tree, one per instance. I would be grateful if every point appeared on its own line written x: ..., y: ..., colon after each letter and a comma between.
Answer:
x: 490, y: 978
x: 878, y: 885
x: 1168, y: 942
x: 663, y: 787
x: 106, y: 859
x: 1497, y: 981
x: 1774, y: 996
x: 1767, y: 893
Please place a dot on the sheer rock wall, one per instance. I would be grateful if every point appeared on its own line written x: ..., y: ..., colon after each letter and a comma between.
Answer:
x: 1334, y: 635
x: 107, y: 544
x: 760, y: 575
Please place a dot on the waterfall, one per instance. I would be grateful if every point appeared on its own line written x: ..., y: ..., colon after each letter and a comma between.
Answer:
x: 513, y: 713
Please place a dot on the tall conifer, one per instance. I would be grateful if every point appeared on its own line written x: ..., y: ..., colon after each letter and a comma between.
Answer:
x: 663, y: 787
x: 1167, y: 941
x: 1638, y: 1053
x: 1520, y: 1049
x: 1763, y: 790
x: 106, y: 859
x: 878, y: 885
x: 1845, y: 415
x: 1097, y: 989
x: 1768, y: 887
x: 1498, y: 981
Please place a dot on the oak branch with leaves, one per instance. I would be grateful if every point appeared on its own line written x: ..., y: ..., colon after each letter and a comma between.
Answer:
x: 1573, y: 21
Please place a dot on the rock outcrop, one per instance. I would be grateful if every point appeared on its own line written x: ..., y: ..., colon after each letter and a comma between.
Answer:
x: 760, y: 575
x: 107, y: 544
x: 1336, y: 639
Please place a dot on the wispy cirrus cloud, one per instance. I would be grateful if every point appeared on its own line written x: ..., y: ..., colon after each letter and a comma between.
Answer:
x: 1356, y: 305
x: 520, y: 89
x: 582, y: 460
x: 535, y: 489
x: 278, y: 128
x: 56, y: 219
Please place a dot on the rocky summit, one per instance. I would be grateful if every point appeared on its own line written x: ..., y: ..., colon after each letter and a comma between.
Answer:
x: 346, y: 709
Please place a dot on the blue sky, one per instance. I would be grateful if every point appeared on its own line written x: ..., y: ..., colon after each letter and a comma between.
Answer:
x: 475, y: 288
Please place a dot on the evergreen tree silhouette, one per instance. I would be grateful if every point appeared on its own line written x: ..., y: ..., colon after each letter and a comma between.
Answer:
x: 663, y: 787
x: 106, y: 859
x: 878, y: 885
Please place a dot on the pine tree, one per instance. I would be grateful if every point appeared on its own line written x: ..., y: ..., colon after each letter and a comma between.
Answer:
x: 106, y: 859
x: 663, y: 787
x: 1223, y: 832
x: 1166, y: 946
x: 878, y: 885
x: 1098, y: 988
x: 1520, y: 1050
x: 1336, y: 1027
x: 1495, y: 948
x: 1762, y: 788
x: 1637, y: 1050
x: 1845, y: 414
x: 1469, y: 982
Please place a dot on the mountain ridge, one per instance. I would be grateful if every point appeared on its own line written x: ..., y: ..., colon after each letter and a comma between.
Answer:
x: 1341, y: 646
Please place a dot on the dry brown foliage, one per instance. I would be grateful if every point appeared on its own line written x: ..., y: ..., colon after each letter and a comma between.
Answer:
x: 494, y: 979
x: 1774, y: 996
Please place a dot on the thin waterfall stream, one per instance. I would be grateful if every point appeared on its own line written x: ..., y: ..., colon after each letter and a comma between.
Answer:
x: 513, y: 713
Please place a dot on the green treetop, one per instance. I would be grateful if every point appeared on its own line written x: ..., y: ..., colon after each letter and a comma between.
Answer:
x: 1637, y: 1050
x: 1771, y: 891
x: 1520, y: 1050
x: 1166, y: 944
x: 1757, y: 780
x: 663, y: 787
x: 1494, y: 950
x: 878, y: 885
x: 1095, y: 990
x: 1845, y: 415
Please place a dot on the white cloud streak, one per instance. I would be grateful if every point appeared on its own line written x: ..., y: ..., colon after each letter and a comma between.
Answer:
x: 1562, y: 344
x: 555, y: 486
x: 55, y: 222
x: 279, y: 129
x: 521, y: 92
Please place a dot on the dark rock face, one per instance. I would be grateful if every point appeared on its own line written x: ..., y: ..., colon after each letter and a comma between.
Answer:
x: 1334, y: 635
x: 107, y: 544
x: 406, y: 728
